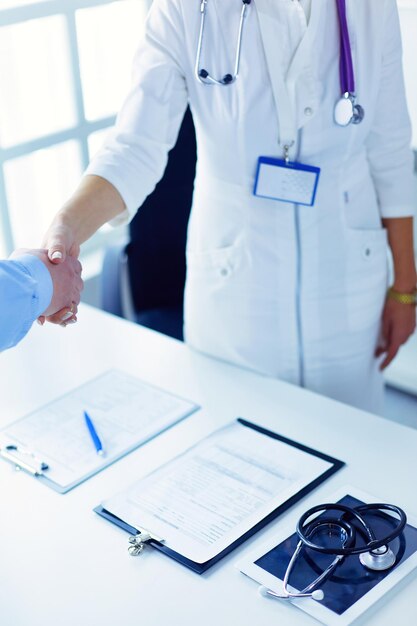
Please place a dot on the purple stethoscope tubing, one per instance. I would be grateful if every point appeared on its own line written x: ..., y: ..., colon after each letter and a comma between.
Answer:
x: 347, y: 77
x: 346, y: 110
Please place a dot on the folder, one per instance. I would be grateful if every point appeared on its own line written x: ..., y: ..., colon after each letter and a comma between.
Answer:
x: 206, y: 502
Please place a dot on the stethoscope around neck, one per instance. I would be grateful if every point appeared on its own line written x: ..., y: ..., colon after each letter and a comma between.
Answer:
x: 203, y: 75
x: 346, y: 110
x: 376, y: 555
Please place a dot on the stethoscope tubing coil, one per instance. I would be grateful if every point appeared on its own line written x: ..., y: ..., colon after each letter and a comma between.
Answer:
x: 373, y: 544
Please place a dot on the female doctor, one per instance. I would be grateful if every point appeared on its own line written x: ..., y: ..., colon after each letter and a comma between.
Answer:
x: 291, y: 288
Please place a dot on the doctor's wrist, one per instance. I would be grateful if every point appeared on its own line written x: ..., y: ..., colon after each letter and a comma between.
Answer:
x: 405, y: 281
x: 403, y: 297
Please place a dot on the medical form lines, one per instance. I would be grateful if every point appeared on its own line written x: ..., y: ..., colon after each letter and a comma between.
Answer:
x: 203, y: 501
x: 279, y: 472
x: 199, y: 504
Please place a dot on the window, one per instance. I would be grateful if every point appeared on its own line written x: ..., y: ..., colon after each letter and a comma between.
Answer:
x: 65, y: 68
x: 408, y: 19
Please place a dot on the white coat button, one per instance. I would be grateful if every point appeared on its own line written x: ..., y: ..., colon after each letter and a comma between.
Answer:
x: 308, y: 111
x: 367, y: 252
x: 224, y: 271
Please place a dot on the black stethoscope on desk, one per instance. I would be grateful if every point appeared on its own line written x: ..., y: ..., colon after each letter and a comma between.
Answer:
x: 375, y: 555
x: 346, y: 110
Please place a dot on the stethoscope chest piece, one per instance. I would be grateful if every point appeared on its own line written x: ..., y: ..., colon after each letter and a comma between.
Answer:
x: 347, y: 112
x: 378, y: 560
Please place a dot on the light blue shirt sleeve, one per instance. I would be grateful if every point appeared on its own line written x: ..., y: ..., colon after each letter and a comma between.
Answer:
x: 25, y: 293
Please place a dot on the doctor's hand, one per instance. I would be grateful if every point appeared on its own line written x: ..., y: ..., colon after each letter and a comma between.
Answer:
x: 67, y: 286
x: 60, y: 244
x: 398, y: 323
x: 59, y: 241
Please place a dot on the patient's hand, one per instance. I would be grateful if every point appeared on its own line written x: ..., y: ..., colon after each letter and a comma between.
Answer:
x: 59, y: 242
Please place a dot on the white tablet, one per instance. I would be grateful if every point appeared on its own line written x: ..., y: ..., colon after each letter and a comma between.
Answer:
x: 351, y: 589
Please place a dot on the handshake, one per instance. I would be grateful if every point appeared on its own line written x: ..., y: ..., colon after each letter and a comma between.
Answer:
x: 65, y: 272
x: 94, y: 203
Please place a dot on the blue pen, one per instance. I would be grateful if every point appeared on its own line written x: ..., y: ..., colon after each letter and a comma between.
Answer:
x: 93, y: 433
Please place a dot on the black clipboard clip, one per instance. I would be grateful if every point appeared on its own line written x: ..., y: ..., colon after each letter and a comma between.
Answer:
x: 138, y: 542
x: 23, y: 459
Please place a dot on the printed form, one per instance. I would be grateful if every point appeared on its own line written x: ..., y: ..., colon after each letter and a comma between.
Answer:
x: 126, y: 412
x: 205, y: 499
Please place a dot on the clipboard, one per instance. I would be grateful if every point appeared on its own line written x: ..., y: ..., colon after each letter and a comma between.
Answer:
x: 147, y: 535
x: 53, y: 443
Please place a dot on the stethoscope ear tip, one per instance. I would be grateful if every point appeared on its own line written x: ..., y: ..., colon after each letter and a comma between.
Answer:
x: 318, y: 595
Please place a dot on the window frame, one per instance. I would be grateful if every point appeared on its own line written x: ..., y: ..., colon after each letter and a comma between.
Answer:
x: 78, y: 132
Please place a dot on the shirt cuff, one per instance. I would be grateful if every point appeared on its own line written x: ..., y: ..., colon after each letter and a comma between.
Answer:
x: 397, y: 210
x: 131, y: 202
x: 43, y: 280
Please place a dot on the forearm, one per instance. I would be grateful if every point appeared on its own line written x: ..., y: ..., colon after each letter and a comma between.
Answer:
x: 401, y: 242
x: 25, y: 292
x: 95, y: 202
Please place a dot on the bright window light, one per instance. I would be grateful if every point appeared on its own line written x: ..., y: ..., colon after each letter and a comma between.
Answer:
x: 3, y: 246
x: 52, y: 107
x: 36, y: 81
x: 408, y: 18
x: 12, y: 4
x: 107, y: 39
x: 37, y: 185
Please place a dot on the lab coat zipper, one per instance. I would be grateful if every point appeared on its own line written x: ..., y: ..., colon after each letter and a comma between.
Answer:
x: 298, y: 313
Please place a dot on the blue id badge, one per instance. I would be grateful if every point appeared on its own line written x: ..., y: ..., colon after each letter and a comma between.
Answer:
x: 286, y: 181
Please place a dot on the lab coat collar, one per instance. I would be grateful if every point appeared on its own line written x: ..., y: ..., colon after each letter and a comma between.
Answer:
x: 227, y: 13
x: 284, y: 80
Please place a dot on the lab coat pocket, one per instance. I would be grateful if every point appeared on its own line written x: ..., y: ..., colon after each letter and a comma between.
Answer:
x: 220, y: 262
x: 215, y: 298
x: 366, y: 277
x: 361, y: 209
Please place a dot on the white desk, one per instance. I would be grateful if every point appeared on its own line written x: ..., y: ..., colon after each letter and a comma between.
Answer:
x: 62, y: 564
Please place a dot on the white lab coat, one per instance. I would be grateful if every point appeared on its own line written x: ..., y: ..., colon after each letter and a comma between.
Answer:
x: 293, y: 292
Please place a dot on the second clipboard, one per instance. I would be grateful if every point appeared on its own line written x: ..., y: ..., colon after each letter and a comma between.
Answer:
x: 206, y: 502
x: 54, y: 444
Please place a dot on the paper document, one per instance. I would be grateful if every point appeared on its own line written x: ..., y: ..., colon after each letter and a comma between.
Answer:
x: 125, y: 411
x: 216, y: 491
